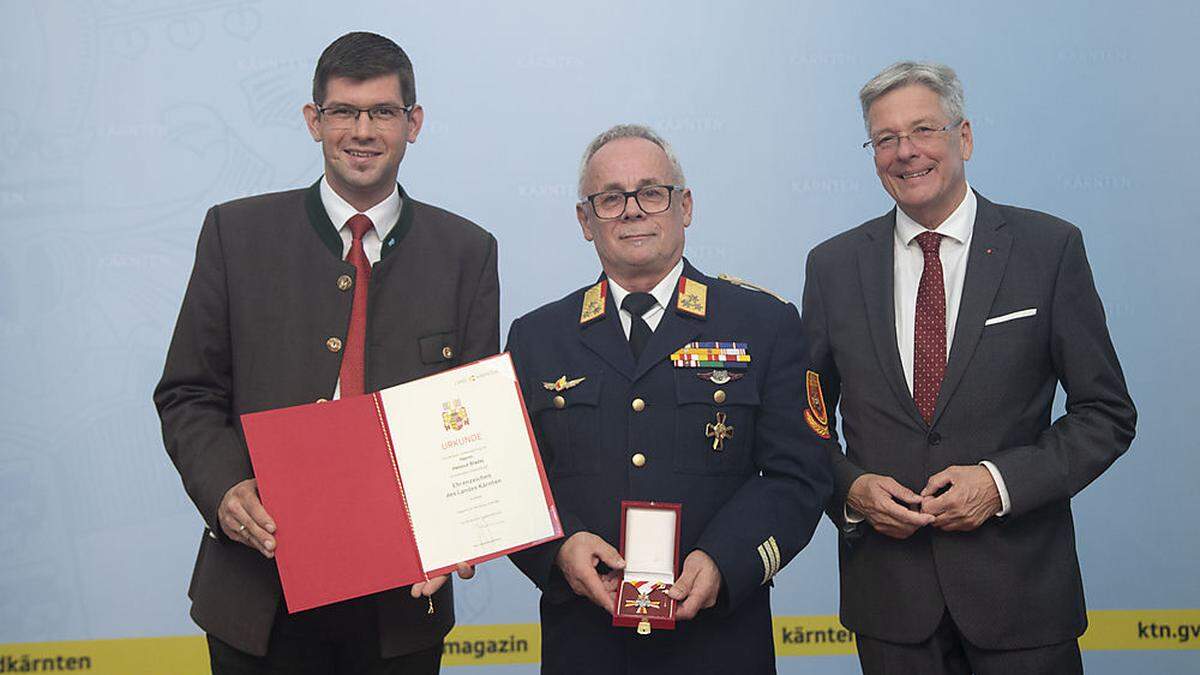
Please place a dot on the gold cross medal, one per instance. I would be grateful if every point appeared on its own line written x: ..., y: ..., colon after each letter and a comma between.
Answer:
x: 641, y: 604
x: 718, y: 432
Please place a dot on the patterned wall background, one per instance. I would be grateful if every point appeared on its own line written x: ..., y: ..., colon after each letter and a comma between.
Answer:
x: 123, y: 120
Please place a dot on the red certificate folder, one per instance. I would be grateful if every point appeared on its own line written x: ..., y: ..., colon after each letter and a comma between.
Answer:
x: 332, y: 478
x: 650, y: 547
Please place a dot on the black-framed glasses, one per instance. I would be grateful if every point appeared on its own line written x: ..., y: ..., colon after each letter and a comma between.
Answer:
x: 380, y: 115
x: 921, y: 137
x: 651, y: 199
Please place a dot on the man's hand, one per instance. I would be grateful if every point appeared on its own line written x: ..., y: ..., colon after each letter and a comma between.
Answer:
x: 578, y: 558
x: 971, y: 499
x: 428, y: 588
x: 697, y: 586
x: 881, y: 500
x: 243, y: 518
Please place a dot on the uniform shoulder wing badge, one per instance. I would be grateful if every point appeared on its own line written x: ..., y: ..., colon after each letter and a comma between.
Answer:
x: 562, y: 383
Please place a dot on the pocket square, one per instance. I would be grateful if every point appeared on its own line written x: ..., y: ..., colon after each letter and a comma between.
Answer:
x: 1010, y: 316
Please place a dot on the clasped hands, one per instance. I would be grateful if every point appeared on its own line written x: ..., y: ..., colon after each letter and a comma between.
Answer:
x: 244, y: 520
x: 695, y: 589
x: 956, y: 499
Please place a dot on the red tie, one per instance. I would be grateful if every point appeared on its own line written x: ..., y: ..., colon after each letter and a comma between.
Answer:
x: 929, y: 333
x: 353, y: 353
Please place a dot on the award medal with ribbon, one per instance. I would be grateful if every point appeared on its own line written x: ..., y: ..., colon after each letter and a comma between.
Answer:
x: 719, y: 355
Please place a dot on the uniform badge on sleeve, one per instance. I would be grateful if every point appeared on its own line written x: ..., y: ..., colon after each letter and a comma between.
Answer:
x: 769, y: 552
x: 593, y: 303
x: 815, y: 415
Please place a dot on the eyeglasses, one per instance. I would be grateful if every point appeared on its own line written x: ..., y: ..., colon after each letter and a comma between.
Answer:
x: 922, y: 137
x: 652, y: 199
x: 381, y: 115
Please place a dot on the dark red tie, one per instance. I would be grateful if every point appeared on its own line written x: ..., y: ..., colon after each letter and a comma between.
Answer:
x: 929, y: 332
x: 353, y: 352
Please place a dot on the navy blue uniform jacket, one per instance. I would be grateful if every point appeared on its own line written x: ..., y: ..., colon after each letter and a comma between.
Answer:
x: 750, y: 506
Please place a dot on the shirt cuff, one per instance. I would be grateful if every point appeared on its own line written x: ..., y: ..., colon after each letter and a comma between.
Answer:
x: 853, y: 517
x: 1005, y: 504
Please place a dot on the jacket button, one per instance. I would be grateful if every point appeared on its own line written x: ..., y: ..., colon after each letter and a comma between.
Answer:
x: 560, y: 402
x: 719, y: 396
x: 344, y: 282
x: 638, y: 459
x: 334, y: 344
x: 638, y: 405
x: 447, y: 353
x: 934, y: 438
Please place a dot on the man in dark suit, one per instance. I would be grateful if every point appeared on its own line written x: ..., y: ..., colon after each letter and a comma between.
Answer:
x: 345, y: 287
x: 618, y: 417
x: 941, y: 330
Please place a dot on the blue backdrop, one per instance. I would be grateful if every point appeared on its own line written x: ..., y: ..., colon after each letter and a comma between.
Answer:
x: 123, y: 120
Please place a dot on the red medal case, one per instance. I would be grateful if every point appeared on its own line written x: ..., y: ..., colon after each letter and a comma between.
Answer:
x: 650, y: 547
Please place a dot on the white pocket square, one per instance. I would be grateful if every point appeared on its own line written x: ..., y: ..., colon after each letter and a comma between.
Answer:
x: 1010, y: 316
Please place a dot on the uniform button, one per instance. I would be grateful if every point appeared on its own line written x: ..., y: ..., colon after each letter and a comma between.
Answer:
x: 935, y: 438
x: 344, y: 282
x: 638, y: 405
x: 334, y: 344
x: 719, y: 396
x: 447, y: 353
x: 212, y: 535
x: 560, y: 402
x: 638, y: 459
x: 321, y: 400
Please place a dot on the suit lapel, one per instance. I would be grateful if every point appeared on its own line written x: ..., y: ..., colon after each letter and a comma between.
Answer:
x: 674, y: 329
x: 986, y: 261
x: 607, y: 339
x: 876, y: 261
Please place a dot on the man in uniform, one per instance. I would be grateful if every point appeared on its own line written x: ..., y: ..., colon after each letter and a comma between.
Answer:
x: 619, y: 416
x: 346, y: 287
x: 943, y: 329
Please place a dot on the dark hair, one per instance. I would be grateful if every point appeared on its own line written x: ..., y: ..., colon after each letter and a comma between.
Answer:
x: 363, y: 56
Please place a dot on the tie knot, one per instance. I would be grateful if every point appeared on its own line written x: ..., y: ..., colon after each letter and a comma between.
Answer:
x: 638, y: 304
x: 359, y: 224
x: 929, y: 242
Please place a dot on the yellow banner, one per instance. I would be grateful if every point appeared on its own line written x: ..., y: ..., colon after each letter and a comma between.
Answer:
x: 494, y: 644
x: 499, y: 644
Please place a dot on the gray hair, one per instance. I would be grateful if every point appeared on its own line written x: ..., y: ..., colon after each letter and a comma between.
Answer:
x: 936, y: 76
x: 630, y: 131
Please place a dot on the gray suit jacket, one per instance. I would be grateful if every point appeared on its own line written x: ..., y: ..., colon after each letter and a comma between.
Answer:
x: 252, y: 335
x: 1014, y: 582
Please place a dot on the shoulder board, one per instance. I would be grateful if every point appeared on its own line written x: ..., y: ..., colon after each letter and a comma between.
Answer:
x: 737, y: 281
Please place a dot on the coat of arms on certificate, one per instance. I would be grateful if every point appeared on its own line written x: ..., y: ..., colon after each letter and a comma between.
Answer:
x: 454, y: 415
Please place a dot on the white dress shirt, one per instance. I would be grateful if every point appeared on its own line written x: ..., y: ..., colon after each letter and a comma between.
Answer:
x: 661, y: 292
x: 908, y: 265
x: 383, y: 215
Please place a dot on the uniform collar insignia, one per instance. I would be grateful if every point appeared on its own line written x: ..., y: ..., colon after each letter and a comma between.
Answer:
x: 693, y: 298
x: 593, y: 303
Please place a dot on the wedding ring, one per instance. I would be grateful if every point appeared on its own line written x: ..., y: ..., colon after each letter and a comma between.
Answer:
x: 241, y: 528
